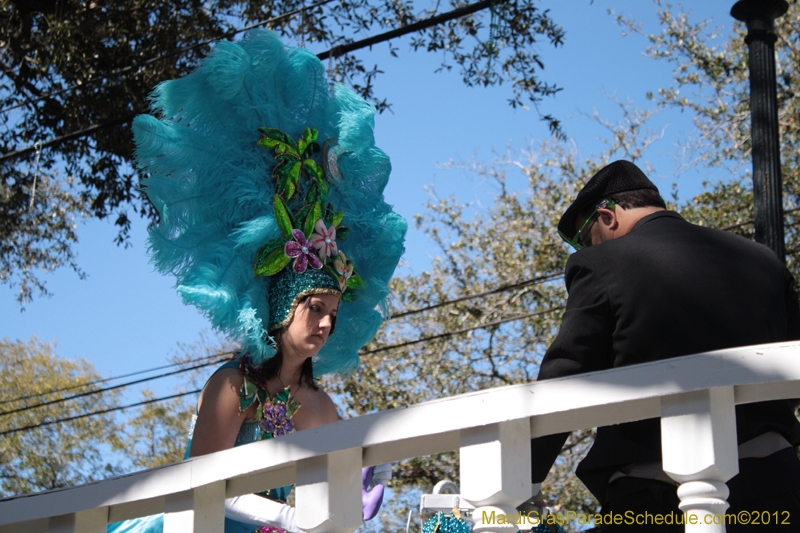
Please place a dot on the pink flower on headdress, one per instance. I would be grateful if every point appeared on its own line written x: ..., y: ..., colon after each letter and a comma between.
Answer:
x: 302, y: 251
x: 324, y: 239
x: 344, y: 267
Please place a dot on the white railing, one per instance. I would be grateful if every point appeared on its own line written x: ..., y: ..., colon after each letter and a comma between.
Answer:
x: 694, y: 396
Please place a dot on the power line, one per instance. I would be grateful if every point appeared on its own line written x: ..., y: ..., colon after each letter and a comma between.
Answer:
x: 539, y: 279
x: 104, y: 380
x: 154, y: 400
x: 335, y: 51
x: 460, y: 331
x: 98, y: 391
x: 123, y: 71
x: 93, y: 413
x: 518, y: 285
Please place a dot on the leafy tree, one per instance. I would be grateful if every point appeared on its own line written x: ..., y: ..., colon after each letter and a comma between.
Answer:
x: 38, y: 235
x: 156, y: 434
x: 514, y: 240
x: 59, y: 455
x: 77, y: 65
x: 711, y: 82
x: 498, y: 337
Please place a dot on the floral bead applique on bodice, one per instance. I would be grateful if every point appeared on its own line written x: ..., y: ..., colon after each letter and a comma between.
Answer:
x: 273, y: 413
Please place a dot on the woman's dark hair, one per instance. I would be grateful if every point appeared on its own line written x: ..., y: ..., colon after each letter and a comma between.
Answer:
x: 272, y: 367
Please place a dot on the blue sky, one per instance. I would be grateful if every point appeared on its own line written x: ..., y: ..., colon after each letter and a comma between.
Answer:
x: 125, y: 318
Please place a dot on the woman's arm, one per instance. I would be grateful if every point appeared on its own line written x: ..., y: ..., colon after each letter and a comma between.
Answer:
x: 218, y: 424
x: 218, y: 417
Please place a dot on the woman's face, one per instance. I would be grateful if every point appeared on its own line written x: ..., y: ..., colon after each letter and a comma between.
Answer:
x: 311, y: 325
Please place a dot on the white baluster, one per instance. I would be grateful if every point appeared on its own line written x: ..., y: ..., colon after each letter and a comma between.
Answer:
x: 698, y: 439
x: 89, y: 521
x: 201, y: 510
x: 328, y: 492
x: 496, y: 473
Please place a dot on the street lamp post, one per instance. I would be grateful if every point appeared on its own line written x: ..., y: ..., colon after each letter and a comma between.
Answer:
x: 760, y: 15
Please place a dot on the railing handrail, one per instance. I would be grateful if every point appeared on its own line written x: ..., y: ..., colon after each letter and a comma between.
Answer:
x: 757, y: 373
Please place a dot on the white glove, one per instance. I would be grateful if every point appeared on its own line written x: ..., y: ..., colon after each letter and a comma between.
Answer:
x: 253, y: 509
x: 381, y: 474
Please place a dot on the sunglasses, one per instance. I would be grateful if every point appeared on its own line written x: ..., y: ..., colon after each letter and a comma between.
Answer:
x: 578, y: 241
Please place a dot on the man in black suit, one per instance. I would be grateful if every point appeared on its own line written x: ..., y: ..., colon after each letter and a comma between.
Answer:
x: 646, y: 285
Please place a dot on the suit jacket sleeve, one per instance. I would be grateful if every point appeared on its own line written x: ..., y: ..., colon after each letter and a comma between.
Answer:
x: 584, y: 340
x: 792, y: 307
x: 583, y: 344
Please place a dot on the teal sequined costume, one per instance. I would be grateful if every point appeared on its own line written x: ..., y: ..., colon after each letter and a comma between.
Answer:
x: 261, y: 171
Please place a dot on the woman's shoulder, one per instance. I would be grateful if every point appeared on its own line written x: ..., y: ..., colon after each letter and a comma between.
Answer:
x: 227, y: 373
x: 225, y: 382
x: 321, y: 403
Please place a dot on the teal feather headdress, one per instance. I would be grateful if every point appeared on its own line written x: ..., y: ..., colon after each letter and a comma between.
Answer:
x: 216, y: 191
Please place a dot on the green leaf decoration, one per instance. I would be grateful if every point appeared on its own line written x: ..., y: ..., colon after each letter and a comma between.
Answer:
x: 291, y: 408
x: 294, y: 173
x: 310, y: 135
x: 337, y: 219
x: 272, y: 264
x: 303, y: 213
x: 350, y: 296
x: 283, y: 180
x: 283, y: 218
x: 247, y: 395
x: 355, y: 283
x: 290, y: 188
x: 312, y: 170
x: 311, y: 219
x: 302, y: 144
x: 282, y: 396
x: 342, y: 232
x: 307, y: 140
x: 311, y: 194
x: 266, y: 249
x: 323, y: 190
x: 274, y: 138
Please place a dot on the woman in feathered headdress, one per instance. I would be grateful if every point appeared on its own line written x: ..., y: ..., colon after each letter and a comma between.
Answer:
x: 270, y: 193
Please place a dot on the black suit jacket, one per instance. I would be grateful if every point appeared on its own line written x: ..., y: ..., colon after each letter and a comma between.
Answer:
x: 668, y: 288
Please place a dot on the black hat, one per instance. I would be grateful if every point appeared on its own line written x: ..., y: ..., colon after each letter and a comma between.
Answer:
x: 619, y: 176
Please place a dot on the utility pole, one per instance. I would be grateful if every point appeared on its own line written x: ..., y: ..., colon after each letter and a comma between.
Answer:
x: 760, y: 15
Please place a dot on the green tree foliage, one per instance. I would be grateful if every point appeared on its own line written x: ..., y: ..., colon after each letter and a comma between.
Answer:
x: 493, y: 337
x: 514, y: 240
x: 711, y: 81
x: 59, y: 455
x: 38, y: 235
x: 156, y: 434
x: 77, y: 65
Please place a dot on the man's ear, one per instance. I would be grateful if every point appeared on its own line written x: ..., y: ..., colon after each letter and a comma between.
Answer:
x: 608, y: 218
